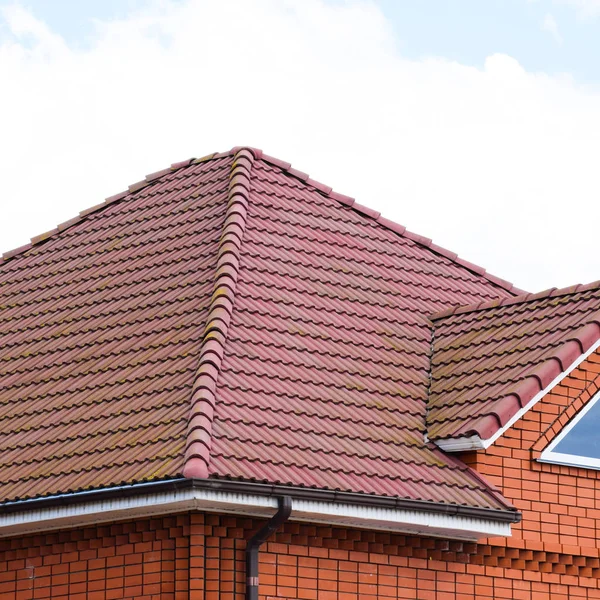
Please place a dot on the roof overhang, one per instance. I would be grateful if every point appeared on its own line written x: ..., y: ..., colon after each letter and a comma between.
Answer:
x: 250, y: 499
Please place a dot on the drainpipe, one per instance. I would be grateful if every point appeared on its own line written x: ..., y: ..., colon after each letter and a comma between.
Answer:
x: 256, y: 541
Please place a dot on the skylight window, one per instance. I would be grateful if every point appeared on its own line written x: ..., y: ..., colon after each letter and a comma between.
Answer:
x: 578, y: 445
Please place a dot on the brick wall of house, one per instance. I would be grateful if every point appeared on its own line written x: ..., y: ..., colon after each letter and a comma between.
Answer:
x: 201, y: 557
x: 144, y: 559
x: 560, y: 505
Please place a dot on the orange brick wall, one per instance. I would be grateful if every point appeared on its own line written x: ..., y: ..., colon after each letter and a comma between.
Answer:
x: 560, y: 505
x: 143, y: 559
x: 201, y: 557
x: 329, y: 563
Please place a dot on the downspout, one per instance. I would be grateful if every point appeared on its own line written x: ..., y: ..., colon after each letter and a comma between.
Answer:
x: 257, y: 540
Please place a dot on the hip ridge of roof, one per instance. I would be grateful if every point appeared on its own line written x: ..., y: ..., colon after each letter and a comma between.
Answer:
x: 202, y: 410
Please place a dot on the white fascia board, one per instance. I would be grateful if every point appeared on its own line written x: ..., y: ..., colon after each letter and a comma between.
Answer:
x: 476, y: 443
x: 178, y: 501
x: 406, y: 521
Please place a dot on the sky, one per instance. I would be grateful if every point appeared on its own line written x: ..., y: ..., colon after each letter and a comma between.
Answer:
x: 475, y: 123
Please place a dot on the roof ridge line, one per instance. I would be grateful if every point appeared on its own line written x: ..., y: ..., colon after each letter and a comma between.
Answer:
x: 151, y: 178
x: 520, y: 299
x: 287, y: 167
x: 376, y: 216
x: 203, y: 397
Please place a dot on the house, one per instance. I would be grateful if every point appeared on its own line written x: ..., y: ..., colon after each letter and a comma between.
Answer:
x: 230, y: 381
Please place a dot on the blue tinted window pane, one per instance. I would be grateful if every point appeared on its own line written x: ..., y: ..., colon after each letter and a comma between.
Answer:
x: 584, y: 438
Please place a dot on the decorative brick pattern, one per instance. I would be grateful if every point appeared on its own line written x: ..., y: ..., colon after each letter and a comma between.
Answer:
x: 201, y: 557
x: 315, y: 562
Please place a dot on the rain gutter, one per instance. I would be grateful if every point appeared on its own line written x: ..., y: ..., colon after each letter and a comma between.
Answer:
x: 255, y: 499
x: 262, y: 489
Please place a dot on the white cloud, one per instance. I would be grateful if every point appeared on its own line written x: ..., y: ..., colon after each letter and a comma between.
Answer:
x: 549, y: 24
x: 585, y: 8
x: 23, y: 25
x: 495, y: 163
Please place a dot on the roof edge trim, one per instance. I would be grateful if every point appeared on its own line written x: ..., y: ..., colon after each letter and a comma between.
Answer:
x: 462, y: 444
x: 475, y: 442
x: 132, y: 189
x: 521, y: 298
x: 177, y: 500
x: 262, y: 490
x: 199, y: 431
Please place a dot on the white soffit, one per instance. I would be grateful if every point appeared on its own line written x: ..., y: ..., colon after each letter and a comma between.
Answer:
x: 177, y: 501
x: 466, y: 444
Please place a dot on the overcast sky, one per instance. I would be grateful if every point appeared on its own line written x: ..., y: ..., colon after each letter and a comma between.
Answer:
x: 474, y: 123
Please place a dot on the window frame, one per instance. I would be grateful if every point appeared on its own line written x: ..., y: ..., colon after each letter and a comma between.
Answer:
x: 571, y: 460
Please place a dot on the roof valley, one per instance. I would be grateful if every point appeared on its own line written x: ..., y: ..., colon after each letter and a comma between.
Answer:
x: 202, y: 410
x: 429, y: 384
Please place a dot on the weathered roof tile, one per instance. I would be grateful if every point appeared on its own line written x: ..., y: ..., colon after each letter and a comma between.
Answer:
x: 490, y: 359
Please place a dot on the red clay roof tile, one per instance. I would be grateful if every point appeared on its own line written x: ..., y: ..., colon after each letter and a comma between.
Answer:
x: 490, y: 359
x: 228, y: 317
x: 102, y: 324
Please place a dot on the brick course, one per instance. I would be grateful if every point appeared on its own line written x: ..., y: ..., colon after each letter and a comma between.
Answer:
x: 145, y: 559
x: 201, y: 557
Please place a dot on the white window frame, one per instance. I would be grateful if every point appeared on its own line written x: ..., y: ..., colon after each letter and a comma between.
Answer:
x: 571, y: 460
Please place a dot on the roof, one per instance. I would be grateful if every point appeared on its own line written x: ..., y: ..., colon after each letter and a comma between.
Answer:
x: 101, y: 326
x: 490, y: 360
x: 228, y: 318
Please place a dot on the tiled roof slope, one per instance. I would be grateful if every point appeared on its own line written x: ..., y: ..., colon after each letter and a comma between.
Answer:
x: 231, y: 319
x: 324, y: 373
x: 100, y: 333
x: 490, y: 360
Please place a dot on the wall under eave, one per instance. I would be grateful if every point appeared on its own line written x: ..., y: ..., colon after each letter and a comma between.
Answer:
x: 200, y: 556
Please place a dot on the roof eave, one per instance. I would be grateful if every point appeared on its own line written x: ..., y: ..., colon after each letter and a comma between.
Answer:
x: 254, y: 499
x: 461, y: 444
